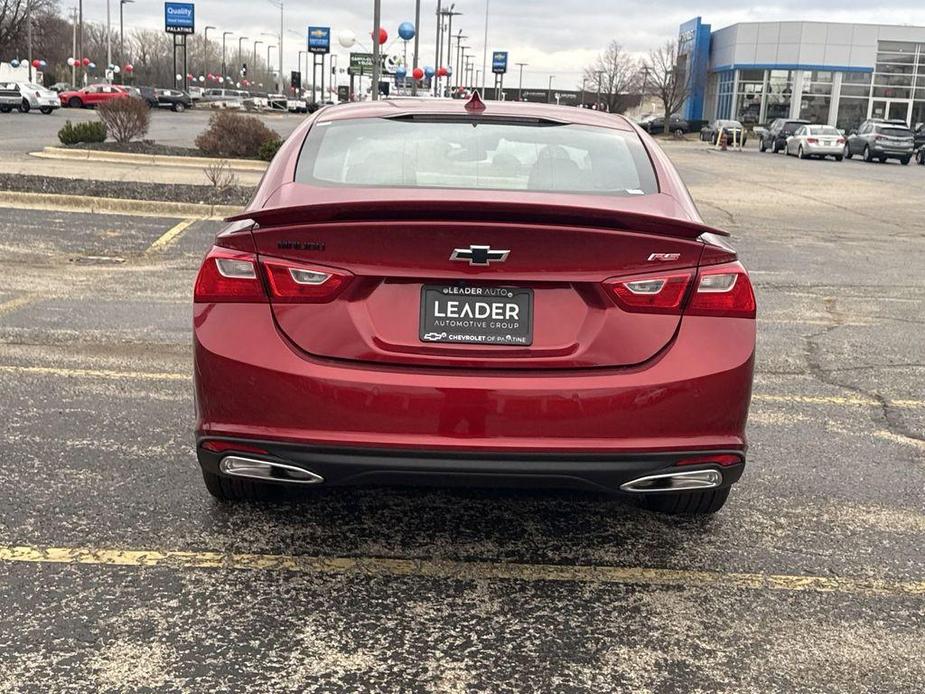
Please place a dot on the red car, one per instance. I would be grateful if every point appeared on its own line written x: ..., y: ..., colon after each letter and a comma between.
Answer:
x: 92, y: 95
x: 427, y: 291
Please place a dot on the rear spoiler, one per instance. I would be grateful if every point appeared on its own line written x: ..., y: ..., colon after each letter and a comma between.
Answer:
x: 513, y: 212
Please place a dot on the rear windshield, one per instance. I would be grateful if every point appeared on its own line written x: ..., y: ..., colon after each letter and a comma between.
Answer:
x: 476, y: 154
x: 822, y: 130
x: 896, y: 132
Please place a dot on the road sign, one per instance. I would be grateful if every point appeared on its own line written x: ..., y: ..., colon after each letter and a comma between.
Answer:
x: 179, y: 17
x: 319, y: 40
x: 499, y: 62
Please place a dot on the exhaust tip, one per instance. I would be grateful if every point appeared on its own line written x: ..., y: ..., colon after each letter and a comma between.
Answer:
x: 674, y: 482
x: 236, y: 466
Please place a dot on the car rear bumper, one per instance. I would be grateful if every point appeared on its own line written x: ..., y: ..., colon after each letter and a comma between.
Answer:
x: 330, y: 466
x: 824, y: 150
x: 252, y: 383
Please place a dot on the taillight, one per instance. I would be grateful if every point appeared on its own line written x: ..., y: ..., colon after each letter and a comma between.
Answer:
x: 812, y: 140
x: 722, y: 290
x: 841, y: 140
x: 228, y: 275
x: 290, y: 282
x: 652, y: 293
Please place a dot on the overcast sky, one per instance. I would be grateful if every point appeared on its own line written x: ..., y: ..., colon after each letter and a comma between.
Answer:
x: 556, y: 37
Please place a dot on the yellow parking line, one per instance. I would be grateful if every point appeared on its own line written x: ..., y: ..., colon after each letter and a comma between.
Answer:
x: 449, y: 569
x: 169, y: 236
x: 17, y: 303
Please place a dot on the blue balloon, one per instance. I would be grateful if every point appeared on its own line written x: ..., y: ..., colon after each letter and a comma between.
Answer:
x: 449, y: 71
x: 428, y: 71
x: 14, y: 62
x: 42, y: 63
x: 401, y: 73
x: 92, y: 66
x: 406, y: 31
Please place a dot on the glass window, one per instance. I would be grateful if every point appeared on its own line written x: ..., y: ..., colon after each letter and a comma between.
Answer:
x: 855, y: 78
x: 851, y: 113
x: 474, y: 154
x: 780, y: 89
x: 820, y: 130
x: 815, y: 108
x: 892, y: 92
x: 751, y: 76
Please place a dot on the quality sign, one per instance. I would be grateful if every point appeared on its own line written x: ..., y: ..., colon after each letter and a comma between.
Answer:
x: 499, y: 62
x: 179, y: 17
x: 319, y: 40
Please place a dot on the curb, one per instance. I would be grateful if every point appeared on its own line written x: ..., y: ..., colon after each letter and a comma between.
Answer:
x: 123, y: 206
x: 149, y: 159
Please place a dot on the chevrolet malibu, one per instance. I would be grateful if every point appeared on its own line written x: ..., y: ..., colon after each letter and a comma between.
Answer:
x: 449, y: 292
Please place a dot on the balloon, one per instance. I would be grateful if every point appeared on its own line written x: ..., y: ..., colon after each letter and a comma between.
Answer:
x: 42, y: 63
x: 70, y: 62
x: 129, y: 68
x: 406, y: 31
x: 417, y: 73
x: 429, y: 71
x: 14, y: 62
x: 202, y: 78
x: 383, y: 36
x: 401, y: 73
x: 346, y: 38
x: 86, y: 62
x: 441, y: 71
x: 92, y: 66
x: 115, y: 69
x: 179, y: 77
x: 35, y: 63
x: 449, y: 70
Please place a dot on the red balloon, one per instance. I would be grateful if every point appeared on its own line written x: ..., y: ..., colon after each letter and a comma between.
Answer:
x: 129, y: 67
x: 85, y: 61
x: 441, y: 72
x: 417, y: 73
x: 383, y: 36
x: 35, y: 63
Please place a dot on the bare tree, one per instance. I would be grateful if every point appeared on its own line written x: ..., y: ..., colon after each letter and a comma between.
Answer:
x: 668, y: 77
x: 613, y: 73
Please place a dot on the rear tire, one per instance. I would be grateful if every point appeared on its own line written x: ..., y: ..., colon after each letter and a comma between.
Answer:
x: 46, y: 110
x: 25, y: 106
x: 838, y: 157
x: 905, y: 161
x: 239, y: 489
x: 687, y: 503
x: 179, y: 108
x: 75, y: 102
x: 867, y: 156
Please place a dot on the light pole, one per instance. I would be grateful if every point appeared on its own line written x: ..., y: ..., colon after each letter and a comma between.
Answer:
x: 417, y: 34
x: 73, y: 47
x: 457, y: 66
x: 269, y: 67
x: 205, y: 50
x: 254, y: 61
x: 520, y: 84
x: 598, y: 104
x: 485, y: 52
x: 449, y: 37
x: 549, y: 92
x: 377, y: 18
x: 270, y: 72
x: 241, y: 40
x: 29, y: 35
x: 436, y: 45
x: 301, y: 53
x: 225, y: 35
x: 108, y: 37
x: 122, y: 3
x: 279, y: 4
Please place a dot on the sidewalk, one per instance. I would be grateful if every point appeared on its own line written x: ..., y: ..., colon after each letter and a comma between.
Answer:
x: 16, y: 163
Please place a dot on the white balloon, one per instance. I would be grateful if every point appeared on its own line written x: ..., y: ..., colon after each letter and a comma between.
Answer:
x: 179, y: 77
x: 347, y: 38
x: 70, y: 62
x: 115, y: 69
x: 202, y: 78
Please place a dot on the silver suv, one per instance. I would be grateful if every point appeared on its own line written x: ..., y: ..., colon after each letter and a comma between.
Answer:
x: 879, y: 140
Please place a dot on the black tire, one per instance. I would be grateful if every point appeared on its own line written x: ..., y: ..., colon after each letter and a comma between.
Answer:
x: 240, y: 489
x: 867, y: 156
x: 762, y: 146
x: 75, y: 102
x: 687, y: 503
x: 179, y: 108
x: 838, y: 157
x: 921, y: 159
x: 847, y: 152
x: 5, y: 109
x: 46, y: 110
x: 800, y: 153
x: 905, y: 160
x: 25, y: 106
x: 775, y: 149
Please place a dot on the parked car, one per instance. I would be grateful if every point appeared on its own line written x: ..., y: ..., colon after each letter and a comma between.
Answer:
x: 59, y: 87
x: 232, y: 98
x: 879, y: 140
x: 10, y: 96
x: 195, y: 93
x: 732, y: 128
x: 296, y: 105
x: 775, y: 139
x: 919, y: 134
x: 92, y: 95
x: 656, y: 124
x: 437, y: 361
x: 149, y: 94
x: 36, y: 96
x: 174, y: 99
x: 816, y: 141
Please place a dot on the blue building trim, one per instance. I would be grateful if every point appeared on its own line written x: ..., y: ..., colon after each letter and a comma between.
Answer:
x: 792, y: 66
x: 694, y: 40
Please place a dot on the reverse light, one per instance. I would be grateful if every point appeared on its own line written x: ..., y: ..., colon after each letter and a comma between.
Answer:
x: 228, y: 276
x: 651, y: 294
x: 290, y: 282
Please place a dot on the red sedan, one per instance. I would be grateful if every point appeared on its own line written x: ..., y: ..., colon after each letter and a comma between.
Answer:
x: 426, y: 291
x: 92, y: 95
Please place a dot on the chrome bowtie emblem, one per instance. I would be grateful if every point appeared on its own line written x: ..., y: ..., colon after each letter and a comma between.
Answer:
x: 479, y: 255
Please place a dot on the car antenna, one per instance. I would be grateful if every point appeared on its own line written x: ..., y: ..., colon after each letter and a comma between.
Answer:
x: 475, y: 102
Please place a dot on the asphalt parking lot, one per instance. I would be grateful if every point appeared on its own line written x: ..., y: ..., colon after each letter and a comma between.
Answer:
x: 119, y: 573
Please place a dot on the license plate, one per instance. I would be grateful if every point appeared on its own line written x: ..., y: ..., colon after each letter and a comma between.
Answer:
x: 477, y: 315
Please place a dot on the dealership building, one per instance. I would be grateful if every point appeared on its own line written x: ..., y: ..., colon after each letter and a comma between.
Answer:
x: 824, y: 72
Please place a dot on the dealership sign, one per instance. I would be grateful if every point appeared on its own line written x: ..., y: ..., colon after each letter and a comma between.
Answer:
x: 179, y: 17
x: 499, y: 62
x: 319, y: 40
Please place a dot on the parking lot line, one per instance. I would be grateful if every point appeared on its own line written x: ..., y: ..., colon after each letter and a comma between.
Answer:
x: 169, y: 236
x: 17, y: 303
x: 458, y: 570
x: 67, y: 372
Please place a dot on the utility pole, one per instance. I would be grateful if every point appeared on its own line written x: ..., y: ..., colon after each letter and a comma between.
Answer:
x: 457, y: 66
x: 549, y: 91
x: 74, y: 46
x: 29, y: 35
x: 122, y: 3
x: 377, y: 18
x: 108, y: 38
x: 485, y: 52
x: 417, y: 34
x: 449, y: 35
x: 205, y: 50
x: 241, y: 40
x: 80, y: 32
x: 254, y: 61
x: 280, y: 45
x: 225, y: 35
x: 269, y: 66
x: 435, y: 79
x: 520, y: 84
x: 598, y: 104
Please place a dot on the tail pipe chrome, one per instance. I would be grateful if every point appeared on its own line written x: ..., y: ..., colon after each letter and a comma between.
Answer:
x: 266, y: 470
x: 674, y: 482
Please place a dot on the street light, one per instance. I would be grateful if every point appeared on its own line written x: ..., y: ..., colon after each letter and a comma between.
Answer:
x: 269, y: 67
x: 122, y: 3
x: 520, y: 84
x: 278, y: 38
x: 485, y: 52
x: 457, y: 65
x: 279, y: 4
x: 224, y: 69
x: 241, y: 40
x: 205, y: 50
x: 549, y: 93
x: 598, y: 104
x: 254, y: 61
